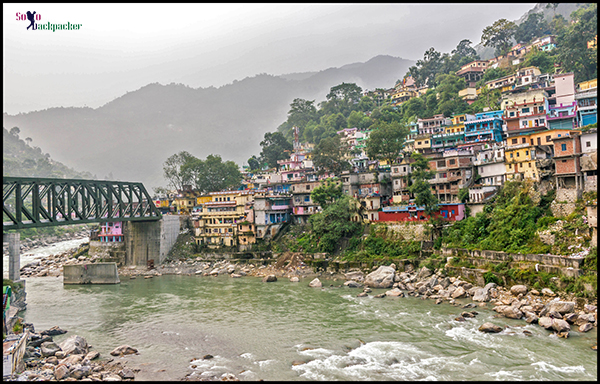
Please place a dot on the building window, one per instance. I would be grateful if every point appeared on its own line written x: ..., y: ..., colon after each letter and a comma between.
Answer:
x: 514, y: 141
x: 525, y: 110
x: 563, y: 147
x: 588, y: 144
x: 547, y: 139
x: 529, y: 165
x: 523, y: 140
x: 511, y: 155
x: 526, y: 153
x: 517, y: 154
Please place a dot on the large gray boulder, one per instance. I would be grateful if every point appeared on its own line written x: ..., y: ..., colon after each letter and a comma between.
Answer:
x: 383, y: 277
x: 352, y: 284
x: 560, y: 325
x: 123, y: 350
x: 269, y: 279
x: 74, y: 345
x: 512, y: 312
x: 490, y: 328
x: 49, y: 348
x: 481, y: 294
x: 545, y: 322
x: 585, y: 327
x: 394, y: 292
x: 562, y: 307
x: 518, y: 289
x: 424, y: 273
x: 316, y: 283
x: 355, y: 275
x: 458, y: 292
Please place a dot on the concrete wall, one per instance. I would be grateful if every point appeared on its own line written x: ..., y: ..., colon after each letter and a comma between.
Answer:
x: 96, y: 273
x: 552, y: 260
x: 170, y: 226
x: 108, y: 250
x: 410, y: 231
x: 142, y: 242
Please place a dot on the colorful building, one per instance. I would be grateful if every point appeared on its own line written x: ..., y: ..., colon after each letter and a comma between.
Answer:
x: 485, y: 127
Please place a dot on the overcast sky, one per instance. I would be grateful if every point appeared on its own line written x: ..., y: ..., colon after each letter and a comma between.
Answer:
x: 122, y: 47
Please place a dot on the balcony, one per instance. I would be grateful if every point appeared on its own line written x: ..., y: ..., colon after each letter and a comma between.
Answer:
x: 561, y: 115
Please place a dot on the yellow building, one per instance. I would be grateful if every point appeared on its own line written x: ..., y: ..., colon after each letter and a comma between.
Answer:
x: 590, y: 84
x: 520, y: 164
x: 218, y: 224
x: 422, y: 142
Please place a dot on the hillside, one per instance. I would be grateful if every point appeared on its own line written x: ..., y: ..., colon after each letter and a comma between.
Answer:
x: 21, y: 158
x: 134, y: 134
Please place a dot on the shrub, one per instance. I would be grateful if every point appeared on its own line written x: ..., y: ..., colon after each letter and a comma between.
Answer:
x: 490, y: 277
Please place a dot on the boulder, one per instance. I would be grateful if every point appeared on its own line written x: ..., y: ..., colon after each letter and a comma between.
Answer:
x: 355, y: 275
x: 352, y: 284
x: 74, y: 345
x: 380, y: 296
x: 80, y: 372
x: 53, y: 331
x: 560, y: 325
x: 535, y: 292
x: 36, y: 340
x: 127, y: 373
x: 458, y: 292
x: 316, y: 283
x: 561, y: 307
x: 52, y: 360
x: 548, y: 292
x: 49, y: 348
x: 518, y: 289
x: 71, y: 360
x: 294, y: 279
x: 445, y: 282
x: 424, y: 273
x: 512, y: 312
x: 490, y: 328
x: 583, y: 318
x: 383, y: 277
x: 481, y: 294
x: 362, y: 294
x: 236, y: 275
x: 61, y: 372
x: 111, y: 377
x: 545, y: 322
x: 585, y: 327
x: 92, y: 355
x: 269, y: 279
x: 532, y: 318
x: 589, y: 308
x: 123, y: 350
x: 394, y: 293
x: 571, y: 318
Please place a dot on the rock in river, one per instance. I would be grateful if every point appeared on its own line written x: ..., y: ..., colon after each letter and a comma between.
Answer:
x: 123, y: 350
x: 53, y: 331
x: 518, y: 289
x: 269, y: 279
x: 316, y: 283
x: 74, y: 345
x: 490, y: 328
x: 383, y: 277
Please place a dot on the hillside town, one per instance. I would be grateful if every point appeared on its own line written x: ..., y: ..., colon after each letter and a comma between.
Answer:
x: 545, y: 131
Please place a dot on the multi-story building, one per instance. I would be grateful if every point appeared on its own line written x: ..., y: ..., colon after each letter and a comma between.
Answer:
x: 472, y: 72
x: 546, y: 43
x: 433, y: 125
x: 217, y: 224
x: 453, y: 171
x: 587, y: 98
x: 454, y: 133
x: 485, y: 127
x: 489, y: 163
x: 589, y: 159
x: 423, y: 143
x: 400, y: 174
x: 525, y: 112
x: 270, y: 213
x: 567, y: 151
x: 526, y: 77
x: 303, y: 205
x: 505, y: 83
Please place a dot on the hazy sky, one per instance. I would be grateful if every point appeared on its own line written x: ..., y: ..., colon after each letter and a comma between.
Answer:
x: 122, y: 47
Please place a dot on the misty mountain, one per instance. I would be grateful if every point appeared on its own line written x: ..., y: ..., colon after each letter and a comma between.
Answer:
x: 134, y: 134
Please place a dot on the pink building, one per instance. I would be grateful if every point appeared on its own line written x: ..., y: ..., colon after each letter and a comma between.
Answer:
x: 111, y: 232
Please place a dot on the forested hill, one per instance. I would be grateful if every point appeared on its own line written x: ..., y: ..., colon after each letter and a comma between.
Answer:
x: 132, y: 135
x: 22, y: 158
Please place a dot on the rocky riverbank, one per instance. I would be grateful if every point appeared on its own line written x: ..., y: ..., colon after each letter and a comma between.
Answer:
x: 27, y: 244
x: 71, y: 360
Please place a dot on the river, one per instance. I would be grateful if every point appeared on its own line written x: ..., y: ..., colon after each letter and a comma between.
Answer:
x: 256, y: 330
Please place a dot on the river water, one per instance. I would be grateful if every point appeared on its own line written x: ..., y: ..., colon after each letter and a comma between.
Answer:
x: 256, y: 330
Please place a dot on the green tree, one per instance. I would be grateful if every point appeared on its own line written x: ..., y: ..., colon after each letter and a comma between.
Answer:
x: 274, y: 147
x: 425, y: 70
x: 464, y: 53
x: 493, y: 74
x: 420, y: 188
x: 541, y: 59
x: 386, y: 141
x: 499, y: 36
x: 448, y: 101
x: 254, y: 163
x: 327, y: 193
x: 15, y: 131
x: 572, y: 50
x: 349, y: 92
x: 335, y: 223
x: 216, y: 175
x: 172, y: 170
x: 301, y: 113
x: 534, y: 26
x: 553, y: 6
x: 330, y: 156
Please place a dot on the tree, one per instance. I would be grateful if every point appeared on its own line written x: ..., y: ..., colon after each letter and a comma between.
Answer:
x: 493, y: 74
x: 301, y: 113
x: 572, y: 49
x: 327, y: 193
x: 335, y: 223
x: 274, y: 147
x: 254, y: 163
x: 425, y: 70
x: 349, y: 92
x: 330, y: 156
x: 448, y: 101
x: 541, y: 59
x: 464, y: 49
x: 534, y: 26
x: 172, y: 170
x: 217, y: 175
x: 15, y: 131
x: 499, y: 35
x: 553, y: 6
x: 386, y: 141
x: 420, y: 188
x: 28, y: 140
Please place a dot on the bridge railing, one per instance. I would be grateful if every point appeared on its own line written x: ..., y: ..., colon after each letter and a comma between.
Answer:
x: 38, y: 202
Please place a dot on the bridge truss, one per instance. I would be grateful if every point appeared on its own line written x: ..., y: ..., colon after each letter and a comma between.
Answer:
x: 40, y: 202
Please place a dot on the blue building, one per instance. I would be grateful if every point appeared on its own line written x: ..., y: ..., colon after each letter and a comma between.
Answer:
x: 486, y: 127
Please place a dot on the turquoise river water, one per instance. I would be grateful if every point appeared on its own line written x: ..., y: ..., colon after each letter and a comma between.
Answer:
x: 256, y: 330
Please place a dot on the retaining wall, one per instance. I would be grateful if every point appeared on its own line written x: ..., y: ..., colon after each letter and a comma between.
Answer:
x: 96, y: 273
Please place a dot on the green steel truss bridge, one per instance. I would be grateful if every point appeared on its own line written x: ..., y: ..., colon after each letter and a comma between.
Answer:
x: 30, y: 202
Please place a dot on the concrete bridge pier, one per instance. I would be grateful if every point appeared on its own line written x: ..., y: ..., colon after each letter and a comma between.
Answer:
x: 150, y: 240
x: 14, y: 255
